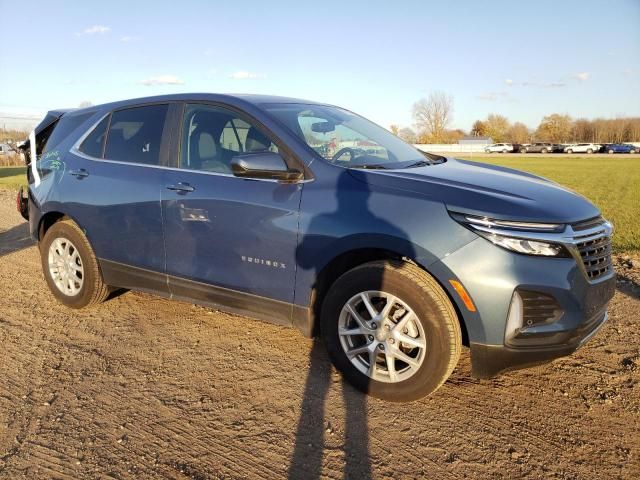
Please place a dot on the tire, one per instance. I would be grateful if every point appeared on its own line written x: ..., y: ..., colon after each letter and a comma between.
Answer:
x: 504, y: 151
x: 544, y: 150
x: 523, y: 150
x: 85, y: 286
x: 569, y: 151
x: 434, y: 326
x: 632, y: 151
x: 487, y: 151
x: 589, y: 151
x: 610, y: 152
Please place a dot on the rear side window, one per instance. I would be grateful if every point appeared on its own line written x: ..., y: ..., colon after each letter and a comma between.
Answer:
x: 135, y: 134
x: 94, y: 143
x: 65, y: 126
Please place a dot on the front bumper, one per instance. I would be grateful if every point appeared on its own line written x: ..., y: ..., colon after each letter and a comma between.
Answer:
x: 488, y: 361
x: 573, y: 304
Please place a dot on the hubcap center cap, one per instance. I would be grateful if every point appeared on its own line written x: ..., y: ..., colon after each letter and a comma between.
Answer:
x: 382, y: 335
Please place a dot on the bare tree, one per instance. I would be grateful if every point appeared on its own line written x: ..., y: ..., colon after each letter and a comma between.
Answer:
x: 408, y: 135
x: 518, y: 133
x: 433, y: 115
x: 394, y: 128
x: 478, y: 128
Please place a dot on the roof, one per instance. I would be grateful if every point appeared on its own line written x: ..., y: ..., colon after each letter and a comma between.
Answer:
x: 212, y: 97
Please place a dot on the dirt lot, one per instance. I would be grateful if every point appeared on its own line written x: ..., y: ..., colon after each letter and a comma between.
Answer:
x: 142, y: 387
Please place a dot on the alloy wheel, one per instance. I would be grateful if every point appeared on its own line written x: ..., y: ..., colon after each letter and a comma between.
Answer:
x: 382, y: 336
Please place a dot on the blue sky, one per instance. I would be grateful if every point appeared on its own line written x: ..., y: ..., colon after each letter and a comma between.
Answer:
x: 520, y: 59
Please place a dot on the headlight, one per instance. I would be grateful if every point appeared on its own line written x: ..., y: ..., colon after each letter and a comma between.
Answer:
x: 520, y: 237
x: 522, y: 245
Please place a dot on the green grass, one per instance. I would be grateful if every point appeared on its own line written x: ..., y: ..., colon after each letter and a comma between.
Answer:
x: 12, y: 177
x: 613, y: 184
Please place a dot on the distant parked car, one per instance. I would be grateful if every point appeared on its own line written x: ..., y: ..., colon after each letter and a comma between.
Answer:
x: 538, y: 147
x: 582, y: 148
x: 499, y: 147
x: 619, y: 148
x: 558, y: 148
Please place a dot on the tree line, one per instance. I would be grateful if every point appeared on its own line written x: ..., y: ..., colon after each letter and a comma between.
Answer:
x: 433, y: 115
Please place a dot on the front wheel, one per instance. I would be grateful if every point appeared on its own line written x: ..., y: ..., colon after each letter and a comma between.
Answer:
x: 523, y: 150
x: 569, y: 151
x: 70, y: 267
x: 544, y: 150
x: 589, y: 151
x: 391, y: 330
x: 610, y: 152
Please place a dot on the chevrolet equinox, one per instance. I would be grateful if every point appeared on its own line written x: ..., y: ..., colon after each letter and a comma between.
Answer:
x: 307, y: 214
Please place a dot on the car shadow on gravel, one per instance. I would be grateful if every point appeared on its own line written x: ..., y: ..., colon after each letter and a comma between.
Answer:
x: 15, y: 239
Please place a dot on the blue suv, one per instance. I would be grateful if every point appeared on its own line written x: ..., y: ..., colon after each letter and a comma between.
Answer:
x: 306, y: 214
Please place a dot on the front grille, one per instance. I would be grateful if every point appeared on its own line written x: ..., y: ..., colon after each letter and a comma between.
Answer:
x: 594, y: 247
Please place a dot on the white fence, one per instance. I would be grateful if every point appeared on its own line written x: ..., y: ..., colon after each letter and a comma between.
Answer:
x: 451, y: 147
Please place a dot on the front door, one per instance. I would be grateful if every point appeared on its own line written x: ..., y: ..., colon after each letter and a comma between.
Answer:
x: 228, y: 240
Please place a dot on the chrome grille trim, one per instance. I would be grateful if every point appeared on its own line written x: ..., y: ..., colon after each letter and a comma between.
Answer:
x: 594, y: 248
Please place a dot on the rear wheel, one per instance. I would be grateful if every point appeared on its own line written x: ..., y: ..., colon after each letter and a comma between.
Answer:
x: 391, y: 330
x: 632, y: 151
x: 569, y: 151
x: 504, y: 151
x: 70, y: 267
x: 544, y: 150
x: 610, y: 152
x: 523, y: 150
x: 589, y: 150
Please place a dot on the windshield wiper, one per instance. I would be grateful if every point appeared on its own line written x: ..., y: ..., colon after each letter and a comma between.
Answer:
x: 370, y: 167
x: 421, y: 163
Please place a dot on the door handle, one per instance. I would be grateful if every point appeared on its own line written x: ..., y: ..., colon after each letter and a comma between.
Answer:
x: 80, y: 173
x: 181, y: 187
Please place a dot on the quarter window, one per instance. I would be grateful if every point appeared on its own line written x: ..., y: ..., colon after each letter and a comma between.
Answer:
x: 135, y: 134
x: 94, y: 143
x: 212, y: 136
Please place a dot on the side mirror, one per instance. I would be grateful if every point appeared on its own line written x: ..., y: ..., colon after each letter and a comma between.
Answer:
x: 263, y: 165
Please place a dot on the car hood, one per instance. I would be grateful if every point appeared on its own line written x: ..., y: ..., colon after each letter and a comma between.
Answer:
x: 487, y: 190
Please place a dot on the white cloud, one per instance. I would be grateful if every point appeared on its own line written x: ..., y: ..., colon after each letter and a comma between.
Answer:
x: 243, y: 75
x: 582, y: 76
x: 493, y: 96
x: 95, y: 29
x: 128, y: 38
x: 554, y: 85
x: 162, y: 80
x: 509, y: 82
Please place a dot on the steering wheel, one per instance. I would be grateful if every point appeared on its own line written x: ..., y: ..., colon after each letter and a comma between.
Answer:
x: 341, y: 152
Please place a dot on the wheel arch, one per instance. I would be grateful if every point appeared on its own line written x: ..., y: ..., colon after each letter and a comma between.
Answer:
x: 349, y: 260
x: 47, y: 220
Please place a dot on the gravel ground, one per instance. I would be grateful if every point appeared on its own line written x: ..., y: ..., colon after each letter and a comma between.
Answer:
x: 141, y: 387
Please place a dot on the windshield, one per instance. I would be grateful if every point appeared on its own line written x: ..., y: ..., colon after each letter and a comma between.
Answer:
x: 346, y: 139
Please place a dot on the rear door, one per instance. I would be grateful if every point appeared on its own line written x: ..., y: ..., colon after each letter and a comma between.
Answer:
x: 112, y: 189
x: 228, y: 240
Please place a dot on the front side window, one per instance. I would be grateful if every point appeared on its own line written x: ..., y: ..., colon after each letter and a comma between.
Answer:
x: 346, y: 139
x: 135, y: 134
x: 212, y: 136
